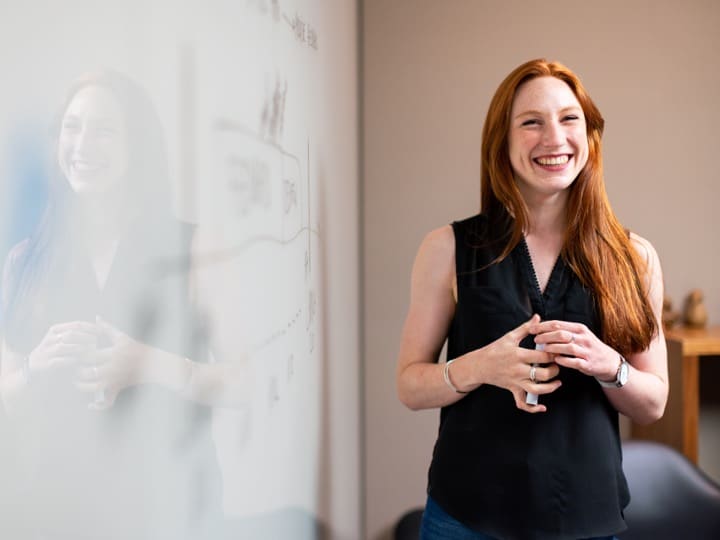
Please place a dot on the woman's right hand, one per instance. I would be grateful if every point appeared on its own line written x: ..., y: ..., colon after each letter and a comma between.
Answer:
x: 64, y: 344
x: 505, y: 364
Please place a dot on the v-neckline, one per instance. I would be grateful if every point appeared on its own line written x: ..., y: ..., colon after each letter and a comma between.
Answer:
x: 538, y: 296
x: 102, y: 266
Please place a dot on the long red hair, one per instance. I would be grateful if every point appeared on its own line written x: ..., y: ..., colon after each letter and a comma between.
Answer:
x: 596, y: 246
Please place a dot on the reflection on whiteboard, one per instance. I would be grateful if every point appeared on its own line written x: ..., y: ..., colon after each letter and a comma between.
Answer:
x: 234, y: 84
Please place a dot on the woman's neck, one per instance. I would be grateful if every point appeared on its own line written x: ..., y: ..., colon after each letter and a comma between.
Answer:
x: 547, y: 218
x: 102, y: 221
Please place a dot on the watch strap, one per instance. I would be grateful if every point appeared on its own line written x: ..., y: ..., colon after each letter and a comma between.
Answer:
x: 618, y: 382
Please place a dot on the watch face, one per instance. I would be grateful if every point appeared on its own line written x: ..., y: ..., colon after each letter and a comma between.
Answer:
x: 623, y: 374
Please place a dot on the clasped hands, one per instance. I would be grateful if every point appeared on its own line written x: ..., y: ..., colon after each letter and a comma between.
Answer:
x: 103, y: 360
x: 567, y: 344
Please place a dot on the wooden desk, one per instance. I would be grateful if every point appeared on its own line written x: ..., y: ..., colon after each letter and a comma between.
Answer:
x: 679, y: 425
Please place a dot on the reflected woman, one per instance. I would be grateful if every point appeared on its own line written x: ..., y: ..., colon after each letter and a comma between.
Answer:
x: 96, y: 372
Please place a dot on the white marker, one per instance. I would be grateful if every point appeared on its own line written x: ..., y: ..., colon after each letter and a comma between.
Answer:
x: 532, y: 399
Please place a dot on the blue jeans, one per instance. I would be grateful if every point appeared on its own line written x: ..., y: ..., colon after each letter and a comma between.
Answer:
x: 439, y: 525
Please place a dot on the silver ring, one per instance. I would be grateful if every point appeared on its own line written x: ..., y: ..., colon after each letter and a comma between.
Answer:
x: 532, y: 374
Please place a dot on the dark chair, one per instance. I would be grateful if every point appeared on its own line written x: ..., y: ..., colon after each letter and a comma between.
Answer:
x: 408, y: 526
x: 671, y: 498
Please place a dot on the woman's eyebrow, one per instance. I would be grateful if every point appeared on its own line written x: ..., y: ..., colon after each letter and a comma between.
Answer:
x: 533, y: 112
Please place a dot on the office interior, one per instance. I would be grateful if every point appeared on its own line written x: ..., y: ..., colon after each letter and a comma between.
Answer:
x: 366, y: 118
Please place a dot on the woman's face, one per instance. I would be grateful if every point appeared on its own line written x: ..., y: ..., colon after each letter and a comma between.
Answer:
x: 547, y: 141
x: 93, y: 142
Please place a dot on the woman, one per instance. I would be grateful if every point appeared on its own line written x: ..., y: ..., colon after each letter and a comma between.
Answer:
x: 96, y: 371
x: 543, y: 295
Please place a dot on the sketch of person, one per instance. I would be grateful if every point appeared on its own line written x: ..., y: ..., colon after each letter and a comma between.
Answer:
x: 104, y: 373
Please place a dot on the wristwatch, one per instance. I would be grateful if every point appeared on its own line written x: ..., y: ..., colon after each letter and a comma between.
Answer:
x: 621, y: 377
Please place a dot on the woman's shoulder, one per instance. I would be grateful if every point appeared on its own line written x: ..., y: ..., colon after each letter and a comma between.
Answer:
x: 643, y: 247
x: 439, y: 241
x: 442, y: 240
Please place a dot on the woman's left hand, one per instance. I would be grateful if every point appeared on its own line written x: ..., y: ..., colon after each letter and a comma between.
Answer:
x: 575, y: 346
x: 116, y: 366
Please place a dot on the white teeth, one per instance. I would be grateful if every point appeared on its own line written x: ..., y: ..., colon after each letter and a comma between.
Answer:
x: 84, y: 166
x: 554, y: 160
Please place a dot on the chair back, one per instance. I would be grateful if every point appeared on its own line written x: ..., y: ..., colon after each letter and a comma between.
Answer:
x: 671, y: 498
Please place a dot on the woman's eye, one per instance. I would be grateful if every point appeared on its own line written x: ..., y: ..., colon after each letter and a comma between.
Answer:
x: 571, y: 117
x: 530, y: 122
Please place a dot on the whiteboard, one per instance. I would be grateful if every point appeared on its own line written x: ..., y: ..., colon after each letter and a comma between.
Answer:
x: 263, y: 158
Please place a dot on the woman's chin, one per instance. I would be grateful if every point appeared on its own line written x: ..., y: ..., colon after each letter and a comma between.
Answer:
x: 91, y: 186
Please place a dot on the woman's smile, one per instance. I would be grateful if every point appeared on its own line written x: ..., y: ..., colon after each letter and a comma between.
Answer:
x: 547, y: 141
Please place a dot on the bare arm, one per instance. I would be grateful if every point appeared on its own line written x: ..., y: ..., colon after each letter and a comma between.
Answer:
x: 127, y: 362
x: 420, y: 382
x: 216, y: 384
x: 644, y: 397
x: 503, y: 363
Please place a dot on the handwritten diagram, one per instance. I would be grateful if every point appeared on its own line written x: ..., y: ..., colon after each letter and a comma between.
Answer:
x: 257, y: 252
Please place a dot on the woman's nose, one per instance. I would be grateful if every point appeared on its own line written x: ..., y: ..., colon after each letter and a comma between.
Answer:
x: 85, y: 140
x: 553, y: 134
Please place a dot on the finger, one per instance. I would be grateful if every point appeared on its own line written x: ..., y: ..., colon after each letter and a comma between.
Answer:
x: 103, y: 400
x: 542, y: 388
x: 541, y: 357
x: 56, y: 361
x: 89, y: 374
x: 68, y: 349
x: 107, y: 329
x: 545, y: 374
x: 531, y: 356
x: 519, y: 396
x: 555, y: 325
x: 565, y: 349
x: 98, y: 357
x: 555, y: 336
x: 101, y: 405
x: 75, y: 326
x: 522, y: 331
x: 68, y: 358
x: 70, y: 338
x: 573, y: 362
x: 77, y: 338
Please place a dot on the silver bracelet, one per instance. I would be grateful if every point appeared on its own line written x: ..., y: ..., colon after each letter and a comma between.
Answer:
x: 446, y: 376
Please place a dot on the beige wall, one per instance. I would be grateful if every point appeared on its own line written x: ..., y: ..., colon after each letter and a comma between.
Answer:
x: 430, y: 68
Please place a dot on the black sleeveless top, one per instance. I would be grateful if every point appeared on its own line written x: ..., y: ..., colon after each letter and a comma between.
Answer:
x: 145, y: 468
x: 507, y: 473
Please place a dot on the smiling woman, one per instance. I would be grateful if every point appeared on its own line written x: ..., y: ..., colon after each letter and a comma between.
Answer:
x: 93, y: 142
x: 96, y: 367
x: 552, y: 313
x: 547, y: 140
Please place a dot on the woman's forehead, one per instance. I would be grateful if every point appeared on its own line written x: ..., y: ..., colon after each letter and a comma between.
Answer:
x: 97, y: 102
x: 542, y: 94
